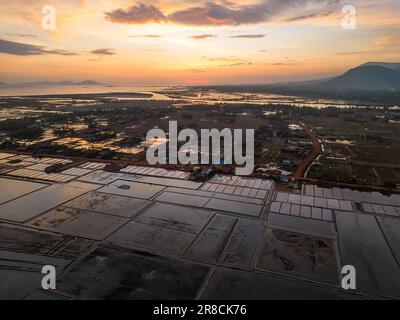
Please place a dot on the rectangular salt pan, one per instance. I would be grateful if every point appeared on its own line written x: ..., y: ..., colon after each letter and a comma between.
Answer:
x: 37, y: 202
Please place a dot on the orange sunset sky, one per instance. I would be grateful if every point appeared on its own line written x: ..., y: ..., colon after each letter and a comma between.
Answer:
x: 165, y: 42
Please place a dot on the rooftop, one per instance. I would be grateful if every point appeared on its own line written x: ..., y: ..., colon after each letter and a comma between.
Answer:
x: 150, y: 233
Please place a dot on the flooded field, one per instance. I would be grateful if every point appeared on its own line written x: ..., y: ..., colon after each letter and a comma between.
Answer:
x: 181, y: 95
x: 212, y: 97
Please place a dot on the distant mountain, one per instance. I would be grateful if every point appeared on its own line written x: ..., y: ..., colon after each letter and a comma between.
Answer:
x: 3, y: 83
x: 372, y: 82
x: 367, y: 77
x: 370, y: 76
x: 389, y: 65
x: 50, y: 83
x: 89, y: 83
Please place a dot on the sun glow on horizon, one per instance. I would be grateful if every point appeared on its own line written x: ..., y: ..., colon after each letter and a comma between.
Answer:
x: 182, y: 42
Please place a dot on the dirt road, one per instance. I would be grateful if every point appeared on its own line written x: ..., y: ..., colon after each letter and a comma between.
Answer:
x: 298, y: 174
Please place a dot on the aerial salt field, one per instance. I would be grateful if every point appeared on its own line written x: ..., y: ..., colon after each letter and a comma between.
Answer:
x: 150, y: 233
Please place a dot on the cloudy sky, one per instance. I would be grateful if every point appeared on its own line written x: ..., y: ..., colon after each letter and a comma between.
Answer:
x: 193, y: 41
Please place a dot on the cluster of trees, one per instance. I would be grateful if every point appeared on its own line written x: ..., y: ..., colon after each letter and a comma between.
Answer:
x: 23, y: 129
x: 64, y: 131
x: 101, y: 136
x: 370, y: 138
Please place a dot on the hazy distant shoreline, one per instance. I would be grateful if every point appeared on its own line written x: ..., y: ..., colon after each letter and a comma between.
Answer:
x: 60, y: 90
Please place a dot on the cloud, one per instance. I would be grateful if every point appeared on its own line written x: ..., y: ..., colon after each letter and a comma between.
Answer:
x: 388, y: 42
x: 353, y: 53
x: 310, y: 16
x: 215, y: 14
x: 248, y: 36
x: 204, y: 36
x: 196, y: 71
x: 24, y: 35
x: 287, y: 63
x: 222, y: 13
x: 381, y: 45
x: 147, y: 36
x: 103, y: 52
x: 138, y: 14
x: 22, y: 49
x: 226, y: 62
x: 236, y: 64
